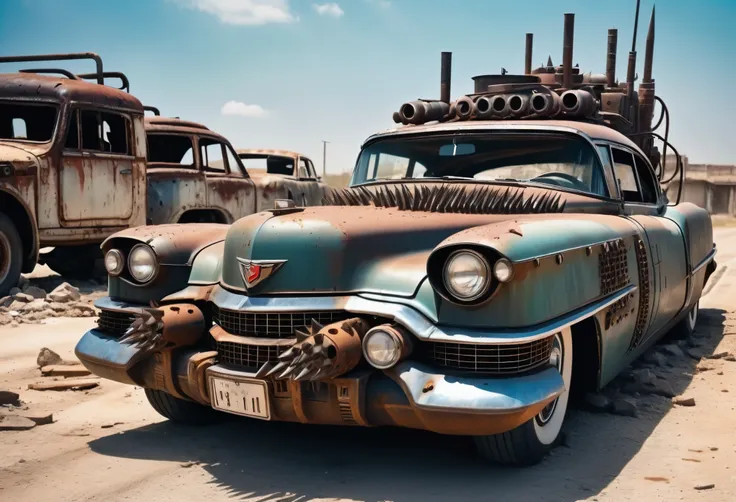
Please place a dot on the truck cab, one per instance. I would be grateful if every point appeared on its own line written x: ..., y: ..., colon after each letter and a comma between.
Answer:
x: 72, y: 166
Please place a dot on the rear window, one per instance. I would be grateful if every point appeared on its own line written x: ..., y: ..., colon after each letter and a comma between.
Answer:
x: 27, y: 122
x: 272, y: 164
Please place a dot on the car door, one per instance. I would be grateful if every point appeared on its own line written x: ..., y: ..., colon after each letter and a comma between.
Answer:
x: 229, y: 188
x: 96, y: 182
x: 312, y: 190
x: 666, y: 253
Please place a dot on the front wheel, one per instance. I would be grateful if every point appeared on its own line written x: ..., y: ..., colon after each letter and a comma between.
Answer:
x: 180, y: 411
x: 530, y: 442
x: 11, y: 255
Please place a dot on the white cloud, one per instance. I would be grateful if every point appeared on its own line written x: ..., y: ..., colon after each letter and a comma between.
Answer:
x: 328, y: 9
x: 244, y: 12
x: 243, y: 110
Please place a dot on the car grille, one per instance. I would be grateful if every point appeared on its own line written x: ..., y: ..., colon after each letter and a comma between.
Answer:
x: 247, y: 356
x: 271, y: 324
x: 489, y: 359
x: 113, y: 322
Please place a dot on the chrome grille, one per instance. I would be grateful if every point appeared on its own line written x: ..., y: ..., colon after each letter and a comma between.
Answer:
x: 271, y: 324
x: 489, y: 359
x: 113, y: 322
x: 247, y: 356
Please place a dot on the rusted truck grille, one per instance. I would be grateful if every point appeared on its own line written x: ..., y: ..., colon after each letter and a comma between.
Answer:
x: 247, y: 356
x: 114, y: 323
x: 271, y: 324
x: 489, y: 359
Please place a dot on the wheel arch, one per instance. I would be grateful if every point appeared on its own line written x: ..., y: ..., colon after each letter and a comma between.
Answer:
x: 586, y: 366
x: 25, y: 224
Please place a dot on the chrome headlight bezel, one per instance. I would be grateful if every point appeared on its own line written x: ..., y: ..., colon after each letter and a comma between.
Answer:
x: 154, y: 265
x: 121, y: 262
x: 484, y: 269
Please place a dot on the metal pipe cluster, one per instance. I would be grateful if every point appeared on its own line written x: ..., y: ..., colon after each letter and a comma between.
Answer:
x: 577, y: 103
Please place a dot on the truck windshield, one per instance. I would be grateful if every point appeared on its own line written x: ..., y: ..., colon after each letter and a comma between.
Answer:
x: 561, y: 160
x: 21, y: 121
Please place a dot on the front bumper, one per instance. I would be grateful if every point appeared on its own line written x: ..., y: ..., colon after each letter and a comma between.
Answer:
x: 410, y: 394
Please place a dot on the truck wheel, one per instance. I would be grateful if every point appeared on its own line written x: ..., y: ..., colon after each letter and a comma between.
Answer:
x: 180, y: 411
x: 686, y: 326
x: 11, y: 255
x: 529, y: 443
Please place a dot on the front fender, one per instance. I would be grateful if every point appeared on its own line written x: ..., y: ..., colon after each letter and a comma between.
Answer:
x: 177, y: 248
x: 560, y: 264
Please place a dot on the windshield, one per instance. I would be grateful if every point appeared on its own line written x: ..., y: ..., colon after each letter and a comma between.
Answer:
x: 272, y: 164
x: 27, y: 121
x: 554, y: 159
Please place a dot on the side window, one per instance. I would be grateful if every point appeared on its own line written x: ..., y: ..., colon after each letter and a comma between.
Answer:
x: 170, y: 149
x: 303, y: 170
x: 625, y: 171
x: 646, y: 179
x: 312, y: 172
x: 211, y: 152
x: 232, y: 162
x: 104, y: 132
x: 72, y: 135
x: 605, y: 153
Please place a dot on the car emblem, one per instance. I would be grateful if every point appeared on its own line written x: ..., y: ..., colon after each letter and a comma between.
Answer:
x: 255, y: 271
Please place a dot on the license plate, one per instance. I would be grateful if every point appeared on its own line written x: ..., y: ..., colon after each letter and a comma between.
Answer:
x: 241, y: 397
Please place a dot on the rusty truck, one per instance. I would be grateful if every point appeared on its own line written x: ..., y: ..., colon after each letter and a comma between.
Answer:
x: 196, y: 176
x: 72, y: 165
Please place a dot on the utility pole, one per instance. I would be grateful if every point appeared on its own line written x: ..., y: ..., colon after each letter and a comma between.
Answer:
x: 324, y: 158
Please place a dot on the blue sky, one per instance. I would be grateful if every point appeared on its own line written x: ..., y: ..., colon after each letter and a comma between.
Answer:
x: 295, y: 72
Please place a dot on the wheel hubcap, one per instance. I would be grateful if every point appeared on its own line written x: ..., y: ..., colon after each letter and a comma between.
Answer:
x: 555, y: 360
x: 5, y: 255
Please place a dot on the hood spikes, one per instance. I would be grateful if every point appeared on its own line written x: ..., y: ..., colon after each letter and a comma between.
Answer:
x: 448, y: 199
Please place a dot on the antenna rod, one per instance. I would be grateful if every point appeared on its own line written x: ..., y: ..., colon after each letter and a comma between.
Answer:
x: 445, y: 77
x: 631, y: 73
x: 567, y: 51
x: 646, y: 88
x: 611, y: 57
x: 528, y: 54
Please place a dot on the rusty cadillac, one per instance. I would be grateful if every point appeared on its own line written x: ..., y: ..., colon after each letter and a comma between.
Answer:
x: 72, y: 165
x: 493, y: 256
x: 196, y: 176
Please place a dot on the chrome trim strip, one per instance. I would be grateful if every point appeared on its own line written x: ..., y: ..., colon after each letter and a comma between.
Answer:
x: 704, y: 261
x: 483, y: 395
x: 410, y: 318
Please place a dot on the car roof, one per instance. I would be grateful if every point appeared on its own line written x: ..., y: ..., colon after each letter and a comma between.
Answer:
x: 61, y: 89
x: 270, y: 151
x: 175, y: 125
x: 594, y: 131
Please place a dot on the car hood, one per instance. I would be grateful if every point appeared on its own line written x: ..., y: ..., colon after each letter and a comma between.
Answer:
x: 350, y: 248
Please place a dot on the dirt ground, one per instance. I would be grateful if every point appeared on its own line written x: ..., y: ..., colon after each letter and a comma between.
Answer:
x: 106, y: 443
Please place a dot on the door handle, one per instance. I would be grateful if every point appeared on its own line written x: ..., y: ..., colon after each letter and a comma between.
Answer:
x: 126, y: 171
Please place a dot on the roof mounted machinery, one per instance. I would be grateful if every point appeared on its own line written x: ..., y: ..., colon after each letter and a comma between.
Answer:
x: 557, y: 92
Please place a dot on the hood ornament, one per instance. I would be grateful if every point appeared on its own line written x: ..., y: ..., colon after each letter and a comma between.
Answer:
x: 254, y: 272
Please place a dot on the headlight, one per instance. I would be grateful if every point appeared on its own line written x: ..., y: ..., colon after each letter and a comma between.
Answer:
x: 503, y: 271
x: 383, y: 346
x: 466, y: 275
x: 142, y: 263
x: 114, y: 262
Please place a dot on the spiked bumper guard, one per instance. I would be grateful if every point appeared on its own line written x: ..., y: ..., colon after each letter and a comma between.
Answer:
x: 410, y: 394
